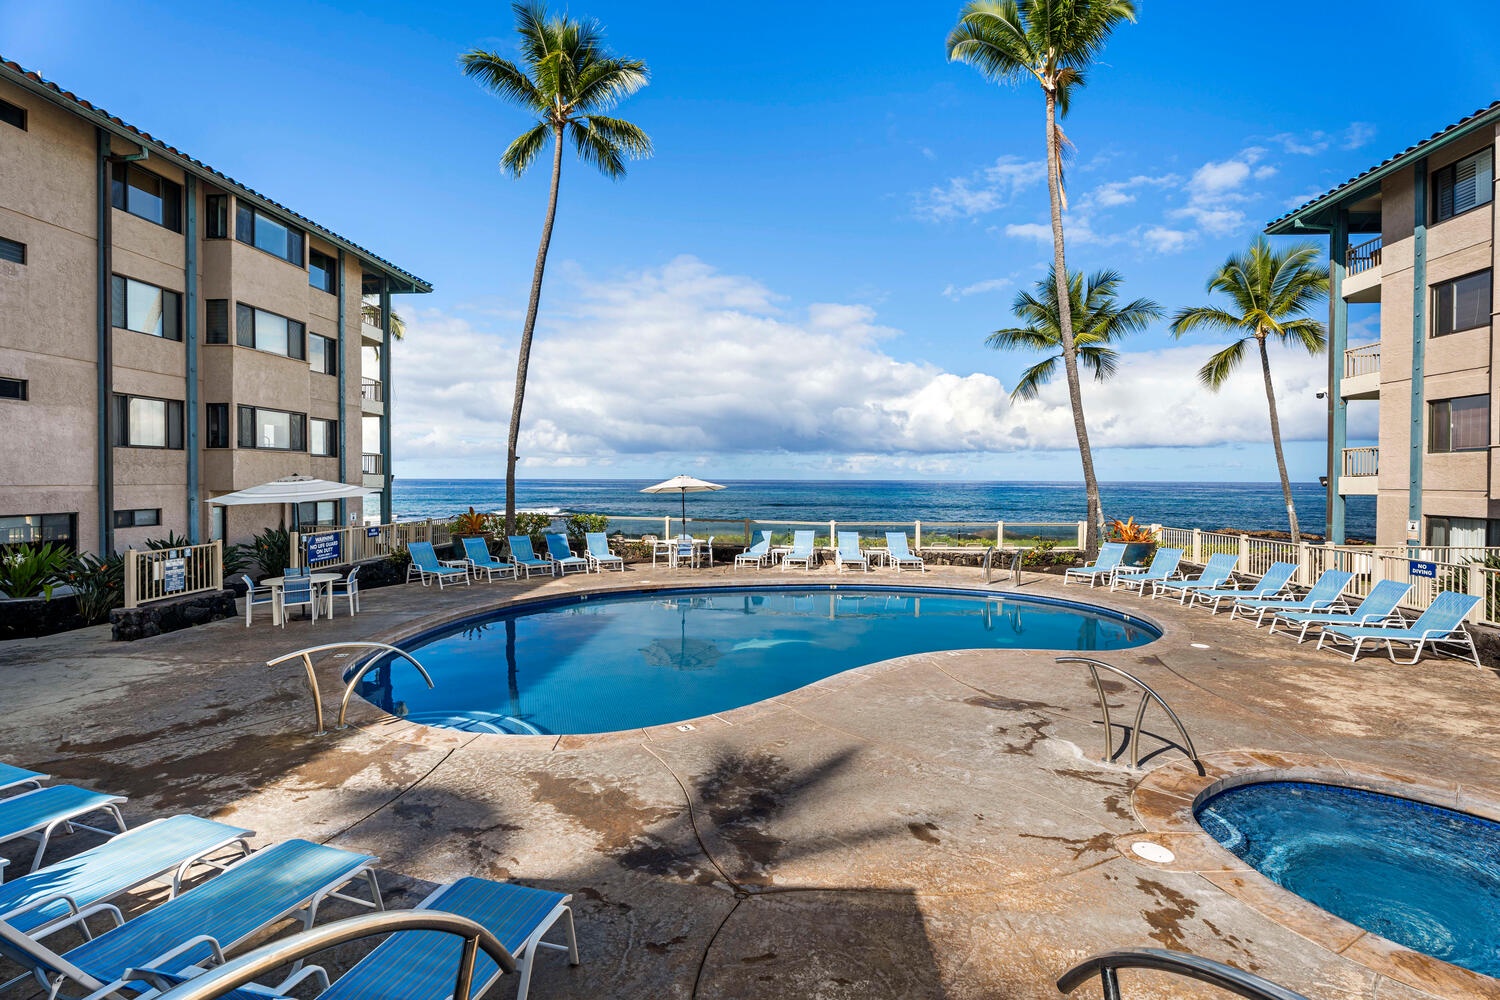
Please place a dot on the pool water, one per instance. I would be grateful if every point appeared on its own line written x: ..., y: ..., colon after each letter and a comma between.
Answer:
x: 600, y: 663
x: 1420, y: 875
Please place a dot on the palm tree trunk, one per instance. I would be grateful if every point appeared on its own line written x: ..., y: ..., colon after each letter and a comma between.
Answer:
x: 524, y: 360
x: 1286, y: 483
x: 1065, y: 328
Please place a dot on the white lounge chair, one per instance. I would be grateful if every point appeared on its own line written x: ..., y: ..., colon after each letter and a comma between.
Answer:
x: 1111, y: 554
x: 802, y: 550
x: 848, y: 553
x: 901, y: 555
x: 758, y: 554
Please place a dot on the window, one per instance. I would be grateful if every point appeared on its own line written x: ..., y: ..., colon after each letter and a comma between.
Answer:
x: 265, y: 233
x: 266, y: 331
x: 1461, y: 424
x: 317, y: 514
x: 13, y: 251
x: 144, y: 194
x: 25, y: 529
x: 323, y: 437
x: 11, y: 114
x: 1461, y: 304
x: 1466, y: 184
x: 12, y: 388
x: 322, y: 271
x: 216, y: 217
x: 216, y: 426
x: 135, y: 305
x: 1463, y: 532
x: 216, y: 321
x: 143, y: 422
x: 145, y: 517
x: 262, y: 428
x: 323, y: 354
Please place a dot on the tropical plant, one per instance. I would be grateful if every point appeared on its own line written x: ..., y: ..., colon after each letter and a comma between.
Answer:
x: 1040, y: 554
x: 531, y: 523
x: 579, y: 525
x: 236, y: 558
x: 1052, y: 41
x: 470, y: 523
x: 172, y: 541
x: 568, y: 81
x: 1129, y: 531
x: 1098, y: 320
x: 30, y: 570
x: 1270, y: 291
x: 271, y: 550
x: 98, y: 585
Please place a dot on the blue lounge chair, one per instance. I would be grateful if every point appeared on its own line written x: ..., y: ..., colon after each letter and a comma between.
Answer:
x: 425, y: 563
x: 39, y: 813
x: 12, y: 778
x: 481, y: 561
x: 1111, y: 554
x: 1216, y: 573
x: 162, y: 850
x: 524, y: 557
x: 1376, y: 609
x: 802, y: 550
x: 196, y: 928
x: 1163, y: 567
x: 1275, y: 580
x: 1326, y: 593
x: 563, y: 558
x: 598, y: 554
x: 848, y: 553
x: 1442, y: 624
x: 758, y: 554
x: 419, y: 965
x: 901, y: 555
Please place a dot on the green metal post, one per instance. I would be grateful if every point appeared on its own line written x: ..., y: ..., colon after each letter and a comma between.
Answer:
x: 1418, y: 344
x: 1338, y: 343
x: 104, y: 355
x: 385, y: 385
x: 190, y: 343
x: 343, y: 441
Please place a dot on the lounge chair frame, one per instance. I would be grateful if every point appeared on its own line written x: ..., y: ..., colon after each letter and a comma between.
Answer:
x: 1111, y: 554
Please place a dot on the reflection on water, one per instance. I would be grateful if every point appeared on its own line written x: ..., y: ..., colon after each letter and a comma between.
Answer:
x: 627, y: 661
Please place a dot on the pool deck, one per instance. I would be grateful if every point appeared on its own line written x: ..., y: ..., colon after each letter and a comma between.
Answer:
x: 935, y: 826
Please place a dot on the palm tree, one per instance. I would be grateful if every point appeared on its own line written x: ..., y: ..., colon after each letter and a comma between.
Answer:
x: 370, y: 313
x: 1271, y: 291
x: 1098, y: 321
x: 1052, y: 41
x: 568, y: 80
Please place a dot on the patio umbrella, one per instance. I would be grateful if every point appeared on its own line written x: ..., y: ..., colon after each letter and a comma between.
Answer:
x: 289, y: 489
x: 683, y: 485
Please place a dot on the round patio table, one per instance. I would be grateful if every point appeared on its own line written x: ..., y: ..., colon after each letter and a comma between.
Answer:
x: 322, y: 583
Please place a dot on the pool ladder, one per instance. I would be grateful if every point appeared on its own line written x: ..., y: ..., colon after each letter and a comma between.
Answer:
x: 1015, y: 565
x: 1148, y: 695
x: 305, y: 655
x: 1204, y: 970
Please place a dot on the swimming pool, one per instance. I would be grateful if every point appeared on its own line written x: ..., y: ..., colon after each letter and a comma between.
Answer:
x: 1423, y: 876
x: 599, y: 663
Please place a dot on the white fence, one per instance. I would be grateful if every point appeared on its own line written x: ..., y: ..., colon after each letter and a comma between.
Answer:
x: 932, y: 535
x: 322, y: 547
x: 159, y: 574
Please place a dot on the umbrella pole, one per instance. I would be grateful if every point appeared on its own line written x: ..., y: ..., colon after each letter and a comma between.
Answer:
x: 684, y: 512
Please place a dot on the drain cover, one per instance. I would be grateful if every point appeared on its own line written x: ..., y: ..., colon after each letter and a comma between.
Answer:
x: 1152, y: 852
x: 1200, y: 645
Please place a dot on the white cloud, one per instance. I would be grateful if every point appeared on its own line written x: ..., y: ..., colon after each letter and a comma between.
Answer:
x: 1033, y: 231
x: 1357, y: 134
x: 1117, y: 193
x: 689, y: 362
x: 982, y: 192
x: 1213, y: 180
x: 1164, y: 240
x: 978, y: 288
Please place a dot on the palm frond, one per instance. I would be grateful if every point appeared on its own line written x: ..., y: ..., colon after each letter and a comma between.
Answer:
x: 1102, y: 361
x: 596, y: 149
x: 522, y: 152
x: 1222, y: 365
x: 629, y: 138
x: 502, y: 78
x: 991, y: 36
x: 1032, y: 379
x: 1021, y: 338
x: 1205, y: 317
x: 607, y: 82
x: 1308, y: 333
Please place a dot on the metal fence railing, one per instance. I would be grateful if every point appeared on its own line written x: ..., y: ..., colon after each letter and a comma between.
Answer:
x: 342, y: 546
x: 159, y: 574
x: 1364, y: 256
x: 1362, y: 361
x: 1361, y: 462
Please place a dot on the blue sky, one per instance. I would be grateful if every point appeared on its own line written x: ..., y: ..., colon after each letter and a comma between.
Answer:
x: 798, y: 284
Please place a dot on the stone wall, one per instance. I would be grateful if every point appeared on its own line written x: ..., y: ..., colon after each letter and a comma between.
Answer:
x: 29, y: 617
x: 130, y: 624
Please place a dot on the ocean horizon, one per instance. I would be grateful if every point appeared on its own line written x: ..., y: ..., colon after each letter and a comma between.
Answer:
x: 1209, y: 506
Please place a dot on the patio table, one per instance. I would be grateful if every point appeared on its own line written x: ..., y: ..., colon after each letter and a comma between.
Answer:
x: 322, y: 583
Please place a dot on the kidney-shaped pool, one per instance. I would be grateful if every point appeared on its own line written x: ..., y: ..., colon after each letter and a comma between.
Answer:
x: 598, y: 663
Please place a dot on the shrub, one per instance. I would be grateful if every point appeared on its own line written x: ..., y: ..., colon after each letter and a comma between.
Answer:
x: 98, y: 585
x: 1040, y: 555
x: 271, y: 550
x: 471, y: 523
x: 533, y: 524
x: 580, y: 525
x: 236, y: 558
x: 172, y: 541
x: 29, y: 570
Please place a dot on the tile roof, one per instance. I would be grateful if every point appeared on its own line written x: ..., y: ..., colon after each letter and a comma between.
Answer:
x: 90, y: 110
x: 1463, y: 124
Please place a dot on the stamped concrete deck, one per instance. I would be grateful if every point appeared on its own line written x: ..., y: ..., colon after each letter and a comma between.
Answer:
x: 935, y: 826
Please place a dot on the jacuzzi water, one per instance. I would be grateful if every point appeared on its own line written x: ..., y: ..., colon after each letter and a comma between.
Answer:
x: 1420, y: 875
x: 591, y: 664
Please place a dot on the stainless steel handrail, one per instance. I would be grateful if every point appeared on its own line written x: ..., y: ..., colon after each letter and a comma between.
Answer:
x: 1016, y: 562
x: 989, y: 556
x: 252, y: 965
x: 1205, y: 970
x: 312, y: 678
x: 1148, y: 695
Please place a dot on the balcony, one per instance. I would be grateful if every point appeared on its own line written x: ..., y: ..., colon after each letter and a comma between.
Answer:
x: 1361, y: 473
x: 372, y: 464
x: 371, y: 396
x: 1362, y: 272
x: 1361, y: 378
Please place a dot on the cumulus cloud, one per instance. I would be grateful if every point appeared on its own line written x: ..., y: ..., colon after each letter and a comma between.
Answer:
x: 982, y: 192
x: 956, y: 292
x: 687, y: 361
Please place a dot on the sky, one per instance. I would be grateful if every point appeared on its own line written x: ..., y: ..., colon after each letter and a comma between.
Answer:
x: 798, y: 284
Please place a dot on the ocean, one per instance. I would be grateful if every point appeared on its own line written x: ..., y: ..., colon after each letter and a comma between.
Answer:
x: 1210, y: 506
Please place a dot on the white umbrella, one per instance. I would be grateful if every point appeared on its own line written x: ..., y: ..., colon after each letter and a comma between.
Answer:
x: 683, y: 485
x: 291, y: 489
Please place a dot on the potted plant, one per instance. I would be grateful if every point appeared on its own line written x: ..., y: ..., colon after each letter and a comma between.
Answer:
x: 1139, y: 539
x: 471, y: 524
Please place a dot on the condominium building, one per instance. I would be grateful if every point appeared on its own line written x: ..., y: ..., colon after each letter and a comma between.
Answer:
x: 1412, y: 247
x: 168, y: 335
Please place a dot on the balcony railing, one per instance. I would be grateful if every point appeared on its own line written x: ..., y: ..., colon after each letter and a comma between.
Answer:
x: 1363, y: 257
x: 1362, y: 361
x: 372, y: 463
x: 370, y: 388
x: 1361, y: 461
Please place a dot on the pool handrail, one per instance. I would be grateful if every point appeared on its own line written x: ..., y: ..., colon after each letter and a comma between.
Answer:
x: 1204, y: 970
x: 1148, y: 695
x: 312, y: 678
